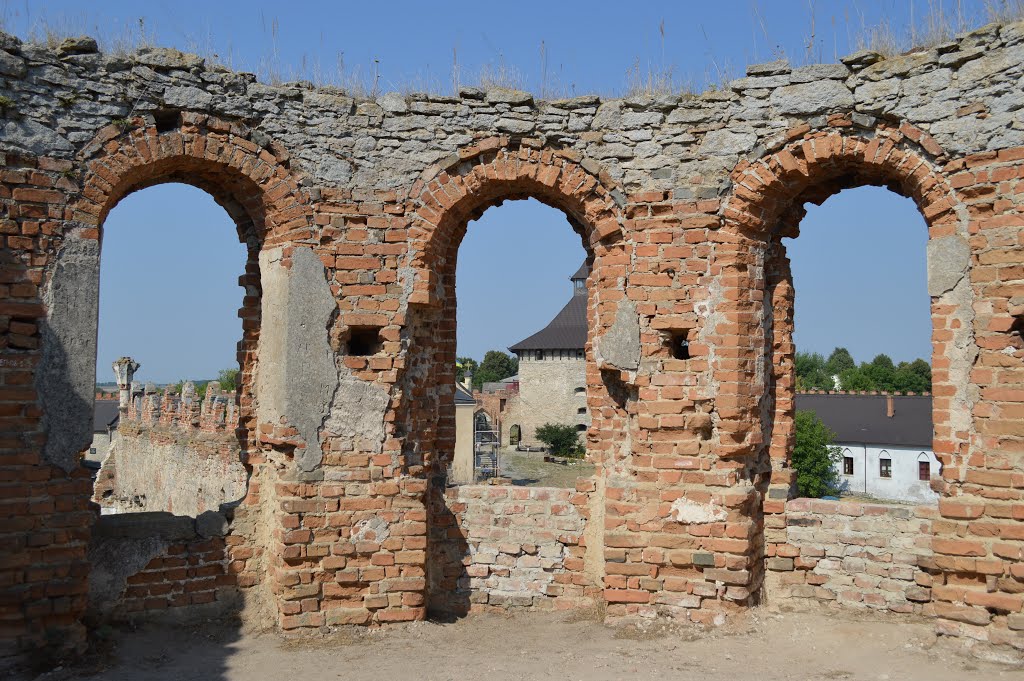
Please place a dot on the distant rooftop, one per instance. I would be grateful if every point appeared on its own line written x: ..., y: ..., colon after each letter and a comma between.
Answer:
x: 463, y: 396
x: 568, y: 330
x: 862, y: 419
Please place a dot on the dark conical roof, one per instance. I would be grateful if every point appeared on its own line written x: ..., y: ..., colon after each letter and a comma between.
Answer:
x: 567, y: 331
x: 582, y: 273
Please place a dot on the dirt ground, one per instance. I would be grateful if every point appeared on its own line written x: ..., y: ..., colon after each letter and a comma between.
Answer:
x: 762, y: 646
x: 530, y: 470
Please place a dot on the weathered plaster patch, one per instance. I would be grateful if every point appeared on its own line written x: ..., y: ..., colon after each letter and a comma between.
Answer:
x: 373, y: 529
x: 296, y: 376
x: 619, y: 346
x: 357, y: 413
x: 66, y: 377
x: 693, y: 513
x: 948, y: 260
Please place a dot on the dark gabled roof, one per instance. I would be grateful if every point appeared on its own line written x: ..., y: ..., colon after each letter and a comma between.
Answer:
x: 463, y: 396
x: 567, y: 331
x: 104, y: 415
x: 862, y: 419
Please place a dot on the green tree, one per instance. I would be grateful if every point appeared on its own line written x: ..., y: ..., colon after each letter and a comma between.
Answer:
x: 839, y: 361
x: 881, y: 372
x: 561, y: 439
x: 855, y: 379
x: 914, y: 377
x: 496, y: 366
x: 814, y: 456
x: 228, y: 379
x: 811, y: 373
x: 462, y: 364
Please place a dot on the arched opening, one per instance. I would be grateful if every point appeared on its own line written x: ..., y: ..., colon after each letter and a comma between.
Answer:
x: 520, y: 313
x: 489, y: 177
x: 860, y: 316
x: 171, y: 268
x: 522, y: 319
x: 768, y: 209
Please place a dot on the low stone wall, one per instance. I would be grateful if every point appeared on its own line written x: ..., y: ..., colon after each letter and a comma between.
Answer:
x: 503, y: 547
x: 852, y: 555
x: 145, y: 562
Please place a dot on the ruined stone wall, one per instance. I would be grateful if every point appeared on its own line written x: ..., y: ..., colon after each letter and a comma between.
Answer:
x: 353, y: 212
x: 502, y: 547
x: 168, y: 456
x: 853, y: 555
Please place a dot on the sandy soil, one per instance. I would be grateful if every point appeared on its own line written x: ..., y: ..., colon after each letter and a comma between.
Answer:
x: 763, y: 646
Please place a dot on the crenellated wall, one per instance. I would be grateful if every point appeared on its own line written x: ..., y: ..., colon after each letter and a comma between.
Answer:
x: 173, y: 453
x: 353, y: 211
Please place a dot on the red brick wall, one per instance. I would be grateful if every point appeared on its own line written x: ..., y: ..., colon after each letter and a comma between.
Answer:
x: 45, y: 527
x: 188, y: 573
x: 690, y: 454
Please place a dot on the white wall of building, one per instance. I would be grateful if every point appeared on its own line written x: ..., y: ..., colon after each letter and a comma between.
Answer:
x: 904, y: 483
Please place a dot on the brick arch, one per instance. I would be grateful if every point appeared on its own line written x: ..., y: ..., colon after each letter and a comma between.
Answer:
x: 752, y: 356
x: 767, y: 203
x: 446, y: 199
x: 495, y: 170
x: 815, y: 165
x: 253, y: 183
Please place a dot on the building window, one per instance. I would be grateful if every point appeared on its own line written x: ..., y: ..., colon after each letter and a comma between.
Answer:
x: 580, y: 389
x: 540, y: 354
x: 579, y: 354
x: 885, y: 468
x: 581, y: 427
x: 847, y: 465
x: 581, y: 410
x: 924, y: 471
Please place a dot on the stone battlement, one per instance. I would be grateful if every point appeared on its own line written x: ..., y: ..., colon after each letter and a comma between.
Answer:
x: 217, y: 411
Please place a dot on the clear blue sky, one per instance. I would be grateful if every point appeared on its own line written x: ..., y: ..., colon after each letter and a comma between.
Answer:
x: 169, y: 294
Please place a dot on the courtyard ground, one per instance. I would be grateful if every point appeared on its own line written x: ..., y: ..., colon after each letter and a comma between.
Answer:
x: 761, y: 645
x: 530, y: 470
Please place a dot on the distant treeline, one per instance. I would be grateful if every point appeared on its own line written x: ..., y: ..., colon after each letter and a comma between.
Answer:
x: 815, y: 372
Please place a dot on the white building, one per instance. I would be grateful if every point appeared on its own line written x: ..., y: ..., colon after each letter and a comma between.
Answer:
x: 885, y: 442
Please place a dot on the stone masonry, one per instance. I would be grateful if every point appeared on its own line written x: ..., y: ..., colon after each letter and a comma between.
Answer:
x: 511, y: 547
x: 853, y: 555
x: 353, y: 211
x: 547, y: 394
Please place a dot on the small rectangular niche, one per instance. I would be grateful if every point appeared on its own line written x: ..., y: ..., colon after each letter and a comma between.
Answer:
x: 167, y: 120
x: 363, y: 341
x: 678, y: 343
